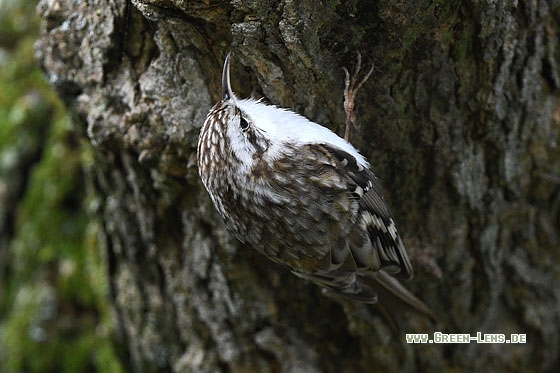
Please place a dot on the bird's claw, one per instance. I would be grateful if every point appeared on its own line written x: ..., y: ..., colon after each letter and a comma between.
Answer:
x: 351, y: 88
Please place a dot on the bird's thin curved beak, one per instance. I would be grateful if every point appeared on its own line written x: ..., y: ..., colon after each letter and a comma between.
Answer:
x: 227, y: 93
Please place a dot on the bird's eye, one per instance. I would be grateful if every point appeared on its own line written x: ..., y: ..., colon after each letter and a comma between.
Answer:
x: 243, y: 124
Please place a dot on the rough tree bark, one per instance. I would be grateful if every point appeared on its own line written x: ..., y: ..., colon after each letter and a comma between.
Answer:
x: 460, y: 119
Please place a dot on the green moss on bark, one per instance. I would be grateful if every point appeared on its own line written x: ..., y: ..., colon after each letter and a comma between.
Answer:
x: 53, y: 310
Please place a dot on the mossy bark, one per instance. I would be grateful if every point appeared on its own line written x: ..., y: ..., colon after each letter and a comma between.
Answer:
x: 460, y: 120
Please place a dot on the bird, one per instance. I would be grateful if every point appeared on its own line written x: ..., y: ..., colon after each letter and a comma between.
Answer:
x: 302, y: 196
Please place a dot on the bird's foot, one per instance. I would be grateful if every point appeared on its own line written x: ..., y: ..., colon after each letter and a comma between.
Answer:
x: 351, y: 88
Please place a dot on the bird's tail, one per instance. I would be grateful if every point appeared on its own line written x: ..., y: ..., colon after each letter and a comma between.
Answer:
x: 391, y: 292
x: 383, y: 289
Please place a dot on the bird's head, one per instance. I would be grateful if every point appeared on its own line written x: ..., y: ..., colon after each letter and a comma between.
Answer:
x: 253, y: 132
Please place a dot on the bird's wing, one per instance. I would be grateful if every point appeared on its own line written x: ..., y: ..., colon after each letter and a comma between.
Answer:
x: 374, y: 241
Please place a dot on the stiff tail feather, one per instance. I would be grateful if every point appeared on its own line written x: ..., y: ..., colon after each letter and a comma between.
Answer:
x: 392, y: 291
x: 383, y: 290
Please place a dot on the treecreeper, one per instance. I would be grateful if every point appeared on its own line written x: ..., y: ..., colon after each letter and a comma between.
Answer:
x: 302, y: 196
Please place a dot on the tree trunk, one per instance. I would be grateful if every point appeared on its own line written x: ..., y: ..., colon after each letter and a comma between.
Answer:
x: 460, y: 120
